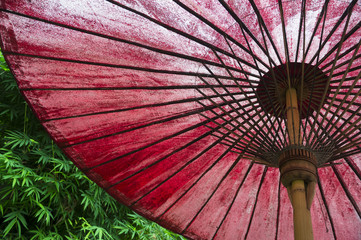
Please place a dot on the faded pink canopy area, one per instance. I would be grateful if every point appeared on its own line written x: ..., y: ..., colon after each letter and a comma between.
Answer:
x: 167, y: 105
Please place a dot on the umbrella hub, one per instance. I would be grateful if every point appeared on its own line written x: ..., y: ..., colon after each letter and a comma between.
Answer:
x: 299, y: 176
x: 297, y: 164
x: 309, y: 83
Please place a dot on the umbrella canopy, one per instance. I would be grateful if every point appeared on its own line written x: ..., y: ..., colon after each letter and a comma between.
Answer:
x: 185, y: 110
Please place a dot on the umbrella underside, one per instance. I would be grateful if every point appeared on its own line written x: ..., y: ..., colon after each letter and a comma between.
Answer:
x: 178, y: 108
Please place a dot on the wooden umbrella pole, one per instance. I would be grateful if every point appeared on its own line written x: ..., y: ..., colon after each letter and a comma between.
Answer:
x: 301, y: 214
x: 298, y: 172
x: 293, y: 117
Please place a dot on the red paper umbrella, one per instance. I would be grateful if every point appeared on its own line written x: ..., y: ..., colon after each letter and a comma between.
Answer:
x: 184, y: 110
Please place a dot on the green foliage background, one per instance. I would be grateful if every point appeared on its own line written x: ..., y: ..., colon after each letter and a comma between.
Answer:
x: 43, y: 195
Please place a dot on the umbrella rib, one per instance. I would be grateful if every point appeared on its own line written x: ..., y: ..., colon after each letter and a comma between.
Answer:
x: 252, y: 152
x: 343, y: 72
x: 225, y: 128
x: 350, y: 140
x: 152, y: 144
x: 256, y: 201
x: 242, y: 91
x: 255, y: 92
x: 225, y: 120
x: 276, y: 119
x: 209, y: 198
x: 256, y: 160
x: 329, y: 78
x: 353, y: 166
x: 323, y: 12
x: 249, y: 157
x: 350, y: 78
x: 323, y: 214
x: 138, y: 107
x: 326, y: 206
x: 348, y: 194
x: 248, y: 154
x: 284, y: 39
x: 323, y: 15
x: 174, y: 117
x: 225, y: 89
x: 287, y: 70
x: 213, y: 192
x: 334, y: 48
x: 345, y: 63
x: 171, y: 87
x: 345, y: 155
x: 259, y: 16
x: 240, y: 137
x: 165, y: 157
x: 331, y: 147
x: 347, y: 12
x: 300, y: 132
x: 347, y: 109
x: 318, y: 62
x: 338, y: 131
x: 336, y: 81
x: 234, y: 199
x: 120, y: 66
x: 344, y: 87
x: 204, y: 43
x: 278, y: 208
x: 341, y: 56
x: 335, y: 113
x: 347, y: 101
x: 241, y: 115
x: 302, y: 19
x: 184, y: 166
x: 217, y: 29
x: 243, y: 27
x: 317, y: 144
x: 158, y: 50
x: 162, y: 120
x: 349, y: 145
x: 246, y: 133
x: 274, y: 80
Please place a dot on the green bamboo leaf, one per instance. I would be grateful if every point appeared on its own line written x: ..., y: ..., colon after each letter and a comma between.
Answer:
x: 15, y: 217
x: 9, y: 227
